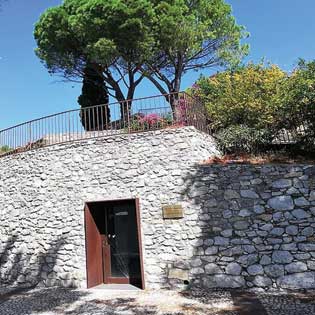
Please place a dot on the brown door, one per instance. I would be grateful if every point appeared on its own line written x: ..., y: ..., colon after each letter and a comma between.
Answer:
x: 106, y: 259
x: 113, y: 241
x: 94, y: 257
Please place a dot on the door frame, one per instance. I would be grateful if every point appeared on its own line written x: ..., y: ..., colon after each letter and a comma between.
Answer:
x: 139, y: 234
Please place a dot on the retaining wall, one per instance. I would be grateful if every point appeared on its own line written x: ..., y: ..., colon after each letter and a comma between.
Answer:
x: 43, y: 192
x: 256, y: 223
x: 243, y: 225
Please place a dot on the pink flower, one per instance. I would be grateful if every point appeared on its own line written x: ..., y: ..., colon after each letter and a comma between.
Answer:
x: 181, y: 111
x: 150, y: 119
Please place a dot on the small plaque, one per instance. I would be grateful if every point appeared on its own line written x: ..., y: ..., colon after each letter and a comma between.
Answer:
x: 173, y: 212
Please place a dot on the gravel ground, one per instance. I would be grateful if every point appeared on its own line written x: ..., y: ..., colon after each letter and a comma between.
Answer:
x: 288, y: 303
x: 57, y: 301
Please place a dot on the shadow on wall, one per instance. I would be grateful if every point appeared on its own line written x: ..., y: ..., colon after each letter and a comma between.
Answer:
x: 22, y: 279
x: 205, y: 190
x: 252, y: 226
x: 19, y: 269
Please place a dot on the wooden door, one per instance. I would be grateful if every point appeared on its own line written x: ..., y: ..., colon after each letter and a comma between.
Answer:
x: 94, y: 259
x: 106, y: 259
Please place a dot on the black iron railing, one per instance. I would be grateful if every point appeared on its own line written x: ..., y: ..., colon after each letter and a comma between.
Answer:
x: 137, y: 115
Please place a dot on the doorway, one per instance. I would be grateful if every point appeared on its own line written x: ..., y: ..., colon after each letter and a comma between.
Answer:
x: 113, y: 243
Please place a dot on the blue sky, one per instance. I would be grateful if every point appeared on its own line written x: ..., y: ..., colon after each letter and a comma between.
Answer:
x: 281, y: 31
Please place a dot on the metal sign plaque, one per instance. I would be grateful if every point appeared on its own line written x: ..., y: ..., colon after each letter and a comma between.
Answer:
x: 173, y: 212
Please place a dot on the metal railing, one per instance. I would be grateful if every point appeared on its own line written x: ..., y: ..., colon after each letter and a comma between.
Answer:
x: 137, y: 115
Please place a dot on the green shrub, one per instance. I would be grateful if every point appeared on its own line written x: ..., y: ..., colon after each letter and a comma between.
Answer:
x: 297, y: 113
x: 242, y: 139
x: 4, y: 149
x: 258, y: 106
x: 246, y: 96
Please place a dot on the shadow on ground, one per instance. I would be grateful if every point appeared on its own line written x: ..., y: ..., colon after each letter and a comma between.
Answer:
x: 114, y: 307
x: 39, y: 301
x: 55, y: 301
x: 296, y: 303
x: 228, y: 301
x: 160, y: 303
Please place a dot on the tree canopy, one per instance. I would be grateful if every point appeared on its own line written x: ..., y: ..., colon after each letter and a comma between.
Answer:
x: 111, y: 36
x: 192, y: 35
x: 127, y: 40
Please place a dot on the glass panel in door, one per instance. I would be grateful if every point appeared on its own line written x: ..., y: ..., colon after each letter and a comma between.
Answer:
x: 123, y: 240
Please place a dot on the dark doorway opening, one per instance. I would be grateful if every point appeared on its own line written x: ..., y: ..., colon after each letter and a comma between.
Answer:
x: 113, y: 243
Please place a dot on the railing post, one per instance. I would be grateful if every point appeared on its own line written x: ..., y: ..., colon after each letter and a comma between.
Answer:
x: 186, y: 109
x: 128, y: 117
x: 69, y: 130
x: 30, y: 134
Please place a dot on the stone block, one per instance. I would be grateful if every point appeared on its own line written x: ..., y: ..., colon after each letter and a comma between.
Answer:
x: 247, y: 260
x: 300, y: 214
x: 296, y: 267
x: 261, y: 281
x: 274, y: 271
x: 306, y: 247
x: 311, y: 265
x: 282, y: 257
x: 282, y: 183
x: 178, y: 274
x: 308, y: 231
x: 233, y: 268
x: 254, y: 270
x: 292, y: 230
x: 304, y: 280
x: 259, y: 209
x: 212, y: 269
x: 241, y: 225
x: 244, y: 213
x: 277, y: 231
x: 221, y: 241
x: 212, y: 250
x: 265, y: 260
x: 301, y: 202
x: 224, y: 281
x: 249, y: 194
x: 281, y: 203
x: 231, y: 194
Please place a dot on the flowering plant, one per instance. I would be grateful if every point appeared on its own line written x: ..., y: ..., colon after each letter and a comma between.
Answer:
x: 151, y: 121
x: 181, y: 111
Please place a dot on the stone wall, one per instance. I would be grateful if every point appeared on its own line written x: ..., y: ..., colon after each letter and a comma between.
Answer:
x: 43, y: 192
x: 243, y: 225
x: 256, y: 224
